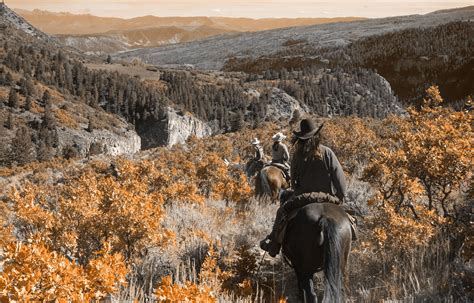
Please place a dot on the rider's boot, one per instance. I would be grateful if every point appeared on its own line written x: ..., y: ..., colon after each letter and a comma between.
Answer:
x: 270, y: 245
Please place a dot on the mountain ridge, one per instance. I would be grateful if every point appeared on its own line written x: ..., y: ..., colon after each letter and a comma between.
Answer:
x: 104, y: 35
x: 208, y: 54
x: 64, y: 27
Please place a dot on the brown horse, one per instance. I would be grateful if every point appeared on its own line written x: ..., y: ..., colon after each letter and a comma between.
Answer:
x: 269, y: 181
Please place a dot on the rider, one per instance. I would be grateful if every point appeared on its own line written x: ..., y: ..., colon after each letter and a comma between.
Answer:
x: 280, y: 154
x: 259, y: 157
x: 317, y: 176
x: 259, y: 154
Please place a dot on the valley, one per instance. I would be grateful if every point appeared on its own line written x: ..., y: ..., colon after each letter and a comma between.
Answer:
x: 122, y: 170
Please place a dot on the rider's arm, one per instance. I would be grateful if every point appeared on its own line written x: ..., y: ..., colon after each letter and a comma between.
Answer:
x: 286, y: 154
x: 294, y: 173
x: 337, y: 175
x: 258, y: 153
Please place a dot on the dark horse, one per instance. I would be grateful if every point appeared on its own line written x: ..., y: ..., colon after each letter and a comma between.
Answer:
x: 319, y: 238
x: 269, y: 179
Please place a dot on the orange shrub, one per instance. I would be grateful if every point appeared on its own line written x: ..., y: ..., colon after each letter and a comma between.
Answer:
x: 425, y: 156
x: 209, y: 286
x: 32, y: 272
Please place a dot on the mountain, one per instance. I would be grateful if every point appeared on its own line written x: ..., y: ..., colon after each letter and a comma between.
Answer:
x: 209, y: 54
x: 39, y: 118
x: 10, y: 18
x: 99, y: 35
x: 71, y: 24
x: 412, y: 47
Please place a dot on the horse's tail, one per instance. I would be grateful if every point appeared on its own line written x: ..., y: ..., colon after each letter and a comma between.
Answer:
x: 332, y: 262
x: 264, y: 182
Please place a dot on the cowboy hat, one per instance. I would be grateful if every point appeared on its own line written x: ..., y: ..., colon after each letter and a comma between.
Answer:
x: 255, y: 141
x: 278, y: 137
x: 308, y: 128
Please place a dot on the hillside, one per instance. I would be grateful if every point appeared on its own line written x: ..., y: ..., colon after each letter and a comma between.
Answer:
x: 208, y: 54
x: 119, y: 41
x: 39, y: 120
x: 10, y: 18
x: 176, y: 223
x: 398, y: 48
x: 167, y: 106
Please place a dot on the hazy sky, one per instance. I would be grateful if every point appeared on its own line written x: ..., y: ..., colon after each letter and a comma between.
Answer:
x: 242, y: 8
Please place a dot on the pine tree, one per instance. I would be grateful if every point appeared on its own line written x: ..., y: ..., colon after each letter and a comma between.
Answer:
x: 28, y: 103
x: 46, y: 99
x: 10, y: 122
x: 295, y: 117
x: 238, y: 122
x: 91, y: 126
x: 13, y: 98
x: 27, y: 87
x: 49, y: 121
x: 22, y: 149
x: 45, y: 152
x: 9, y: 79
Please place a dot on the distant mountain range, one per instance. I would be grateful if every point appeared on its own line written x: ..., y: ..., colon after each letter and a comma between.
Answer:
x: 100, y: 35
x: 213, y: 53
x: 411, y: 52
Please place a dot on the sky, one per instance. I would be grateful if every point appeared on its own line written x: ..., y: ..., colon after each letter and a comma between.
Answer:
x: 242, y: 8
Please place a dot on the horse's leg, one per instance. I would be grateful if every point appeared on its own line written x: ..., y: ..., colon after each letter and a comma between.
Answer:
x: 306, y: 285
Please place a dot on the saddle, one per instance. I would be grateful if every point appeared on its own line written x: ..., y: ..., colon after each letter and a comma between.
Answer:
x: 278, y: 165
x: 284, y: 169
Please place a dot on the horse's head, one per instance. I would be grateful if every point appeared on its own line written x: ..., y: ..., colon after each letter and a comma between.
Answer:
x: 252, y: 167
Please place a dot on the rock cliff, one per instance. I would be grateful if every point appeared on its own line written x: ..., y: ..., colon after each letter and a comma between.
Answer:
x: 120, y: 141
x: 175, y: 128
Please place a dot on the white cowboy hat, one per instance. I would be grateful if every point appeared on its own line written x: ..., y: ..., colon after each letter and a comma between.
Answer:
x: 255, y: 141
x: 278, y: 137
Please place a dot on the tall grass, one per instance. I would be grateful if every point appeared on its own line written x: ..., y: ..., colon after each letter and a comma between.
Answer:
x: 420, y: 274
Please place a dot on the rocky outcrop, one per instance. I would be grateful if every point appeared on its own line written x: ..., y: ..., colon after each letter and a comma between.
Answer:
x: 283, y: 105
x: 72, y: 135
x: 182, y: 126
x: 102, y: 141
x: 175, y: 128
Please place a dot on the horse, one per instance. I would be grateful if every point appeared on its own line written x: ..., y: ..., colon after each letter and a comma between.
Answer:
x: 253, y: 166
x: 269, y: 181
x: 319, y: 238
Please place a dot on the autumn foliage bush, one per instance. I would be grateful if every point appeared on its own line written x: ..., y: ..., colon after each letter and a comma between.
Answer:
x: 34, y: 273
x: 424, y: 159
x: 81, y: 235
x: 116, y: 207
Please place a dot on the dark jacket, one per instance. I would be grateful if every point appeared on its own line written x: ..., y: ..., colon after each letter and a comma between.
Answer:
x: 259, y: 154
x: 318, y: 175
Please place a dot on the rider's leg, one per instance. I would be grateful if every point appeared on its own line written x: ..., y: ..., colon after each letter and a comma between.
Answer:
x: 271, y: 243
x: 352, y: 219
